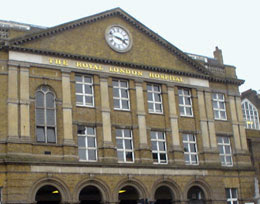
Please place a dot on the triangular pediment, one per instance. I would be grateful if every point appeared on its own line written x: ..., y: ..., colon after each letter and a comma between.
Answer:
x: 86, y: 37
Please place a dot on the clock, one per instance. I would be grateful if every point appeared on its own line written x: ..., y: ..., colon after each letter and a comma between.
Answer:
x: 118, y: 38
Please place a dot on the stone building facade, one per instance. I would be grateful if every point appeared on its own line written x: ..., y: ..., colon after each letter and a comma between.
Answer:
x: 104, y: 110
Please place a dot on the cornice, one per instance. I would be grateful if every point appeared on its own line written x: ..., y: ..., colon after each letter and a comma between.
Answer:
x: 126, y: 64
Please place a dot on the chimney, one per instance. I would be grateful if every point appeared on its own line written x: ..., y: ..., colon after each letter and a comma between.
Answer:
x: 218, y: 55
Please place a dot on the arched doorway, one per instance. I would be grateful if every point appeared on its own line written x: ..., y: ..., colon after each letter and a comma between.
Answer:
x: 164, y: 195
x: 128, y: 195
x: 196, y: 195
x: 90, y: 194
x: 48, y: 195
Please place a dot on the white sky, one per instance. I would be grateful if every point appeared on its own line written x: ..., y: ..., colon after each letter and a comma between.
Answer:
x: 194, y: 26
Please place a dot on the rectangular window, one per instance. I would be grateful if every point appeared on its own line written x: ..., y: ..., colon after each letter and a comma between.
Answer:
x: 219, y: 107
x: 121, y: 95
x: 185, y: 102
x: 190, y: 149
x: 225, y: 152
x: 124, y: 143
x: 159, y: 150
x: 231, y: 195
x: 87, y: 144
x: 154, y: 95
x: 84, y: 90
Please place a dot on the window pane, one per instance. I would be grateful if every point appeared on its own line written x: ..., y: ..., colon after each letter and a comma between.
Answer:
x: 154, y: 145
x: 149, y: 87
x: 40, y: 134
x: 120, y: 156
x: 91, y: 142
x: 88, y: 79
x: 124, y: 93
x: 79, y: 88
x: 90, y: 131
x: 234, y: 193
x: 115, y: 92
x: 181, y: 100
x: 160, y: 135
x: 81, y: 142
x: 150, y: 106
x: 127, y: 133
x: 39, y: 99
x: 51, y: 135
x: 186, y: 148
x: 221, y: 149
x: 78, y: 78
x: 89, y: 100
x: 88, y: 89
x: 185, y: 137
x: 192, y: 147
x: 158, y: 107
x: 153, y: 134
x: 39, y: 116
x: 163, y: 157
x: 81, y: 130
x: 155, y: 157
x: 156, y: 88
x: 194, y: 159
x: 119, y: 143
x: 119, y: 132
x: 187, y: 101
x: 188, y: 111
x: 227, y: 149
x: 128, y: 144
x: 125, y: 104
x: 215, y: 104
x: 79, y: 99
x: 157, y: 97
x: 50, y: 117
x: 123, y: 84
x: 181, y: 108
x: 187, y: 158
x: 129, y: 156
x: 223, y: 114
x: 92, y: 154
x: 82, y: 154
x: 161, y: 146
x: 50, y: 100
x: 115, y: 83
x: 116, y: 103
x: 150, y: 96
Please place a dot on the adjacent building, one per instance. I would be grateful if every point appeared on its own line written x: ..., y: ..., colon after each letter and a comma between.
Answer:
x: 104, y: 110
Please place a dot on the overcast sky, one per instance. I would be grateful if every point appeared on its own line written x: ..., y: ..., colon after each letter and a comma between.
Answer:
x: 194, y: 26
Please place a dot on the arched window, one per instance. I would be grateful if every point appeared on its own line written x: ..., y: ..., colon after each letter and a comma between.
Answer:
x: 45, y: 109
x: 250, y: 114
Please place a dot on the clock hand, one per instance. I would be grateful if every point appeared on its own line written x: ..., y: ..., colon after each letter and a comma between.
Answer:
x: 118, y: 38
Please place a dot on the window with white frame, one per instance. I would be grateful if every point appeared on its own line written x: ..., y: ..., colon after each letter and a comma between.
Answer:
x: 159, y: 149
x: 45, y: 115
x: 185, y: 102
x: 84, y: 90
x: 124, y: 143
x: 219, y: 107
x: 121, y: 94
x: 154, y: 95
x: 87, y: 144
x: 225, y: 151
x: 231, y: 195
x: 250, y: 114
x: 190, y: 149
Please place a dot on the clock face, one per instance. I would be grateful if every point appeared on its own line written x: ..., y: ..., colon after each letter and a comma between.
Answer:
x: 118, y: 38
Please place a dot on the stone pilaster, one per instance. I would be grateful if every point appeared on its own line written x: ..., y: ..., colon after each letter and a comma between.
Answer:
x: 67, y: 109
x: 145, y: 152
x: 108, y: 146
x: 175, y: 146
x: 235, y: 125
x: 210, y: 117
x: 241, y: 124
x: 24, y: 104
x: 13, y: 103
x: 207, y: 126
